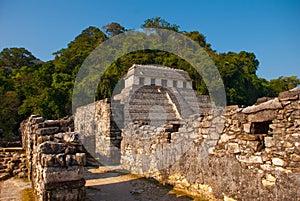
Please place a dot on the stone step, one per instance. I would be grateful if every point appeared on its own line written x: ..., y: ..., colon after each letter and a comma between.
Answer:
x: 150, y: 107
x: 157, y: 122
x: 139, y: 116
x: 148, y: 102
x: 147, y: 91
x: 146, y: 96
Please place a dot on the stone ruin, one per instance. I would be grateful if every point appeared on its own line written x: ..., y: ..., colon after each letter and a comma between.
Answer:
x: 55, y: 159
x: 248, y: 153
x: 152, y: 94
x: 255, y: 155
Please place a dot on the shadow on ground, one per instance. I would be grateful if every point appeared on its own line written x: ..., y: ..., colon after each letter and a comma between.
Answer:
x: 114, y: 184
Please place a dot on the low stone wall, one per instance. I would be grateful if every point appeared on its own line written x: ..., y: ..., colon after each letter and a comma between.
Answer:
x: 12, y: 163
x: 248, y: 153
x: 55, y: 159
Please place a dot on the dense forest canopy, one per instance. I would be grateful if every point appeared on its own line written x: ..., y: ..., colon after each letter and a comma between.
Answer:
x: 28, y: 85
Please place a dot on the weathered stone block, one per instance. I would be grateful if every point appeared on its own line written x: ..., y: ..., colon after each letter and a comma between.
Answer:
x: 253, y: 144
x: 278, y: 162
x: 47, y: 131
x: 233, y: 148
x: 247, y: 127
x: 269, y: 105
x: 269, y: 141
x: 248, y: 137
x: 251, y: 159
x: 57, y: 174
x: 289, y: 95
x: 261, y: 116
x: 51, y: 123
x: 51, y: 147
x: 48, y: 160
x: 225, y: 138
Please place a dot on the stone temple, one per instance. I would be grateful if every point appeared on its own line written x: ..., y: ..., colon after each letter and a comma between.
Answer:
x: 158, y: 94
x: 153, y: 95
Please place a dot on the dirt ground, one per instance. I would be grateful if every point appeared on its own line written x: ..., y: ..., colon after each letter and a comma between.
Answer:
x: 113, y: 184
x: 10, y: 189
x: 105, y: 184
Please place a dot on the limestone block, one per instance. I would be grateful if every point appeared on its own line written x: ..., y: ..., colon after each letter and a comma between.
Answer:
x: 269, y: 105
x: 289, y: 95
x: 214, y: 135
x: 267, y: 183
x: 277, y: 162
x: 47, y: 131
x: 251, y: 159
x: 206, y: 124
x: 58, y: 174
x: 248, y: 137
x: 36, y: 119
x: 233, y: 148
x: 253, y: 144
x: 246, y: 127
x: 49, y: 147
x: 270, y: 180
x: 264, y: 115
x: 269, y: 141
x: 51, y: 123
x: 225, y: 138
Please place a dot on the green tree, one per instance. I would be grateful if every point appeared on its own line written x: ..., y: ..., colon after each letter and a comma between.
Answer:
x: 275, y: 86
x: 16, y: 58
x: 238, y: 71
x: 67, y: 63
x: 9, y: 120
x: 113, y: 29
x: 158, y: 22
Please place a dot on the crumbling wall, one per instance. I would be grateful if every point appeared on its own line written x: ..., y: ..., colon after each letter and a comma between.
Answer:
x: 98, y: 131
x: 248, y: 153
x: 12, y: 163
x: 55, y: 159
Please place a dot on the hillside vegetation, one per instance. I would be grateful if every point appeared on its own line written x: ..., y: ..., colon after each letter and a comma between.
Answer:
x: 29, y: 85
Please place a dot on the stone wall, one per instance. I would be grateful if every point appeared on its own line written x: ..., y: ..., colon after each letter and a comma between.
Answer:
x: 99, y: 132
x: 55, y: 159
x: 248, y: 153
x: 12, y: 163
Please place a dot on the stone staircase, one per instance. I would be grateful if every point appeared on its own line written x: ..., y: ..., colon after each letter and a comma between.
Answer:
x: 151, y: 105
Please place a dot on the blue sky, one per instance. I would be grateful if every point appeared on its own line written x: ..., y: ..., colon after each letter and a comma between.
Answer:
x: 270, y: 29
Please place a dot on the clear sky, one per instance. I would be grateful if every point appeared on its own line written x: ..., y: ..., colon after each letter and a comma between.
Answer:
x: 270, y: 29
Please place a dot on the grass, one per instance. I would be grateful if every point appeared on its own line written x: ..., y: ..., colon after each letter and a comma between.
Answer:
x: 27, y: 194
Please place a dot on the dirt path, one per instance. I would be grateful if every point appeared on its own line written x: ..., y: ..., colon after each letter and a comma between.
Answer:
x: 113, y: 184
x: 105, y: 184
x: 10, y: 190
